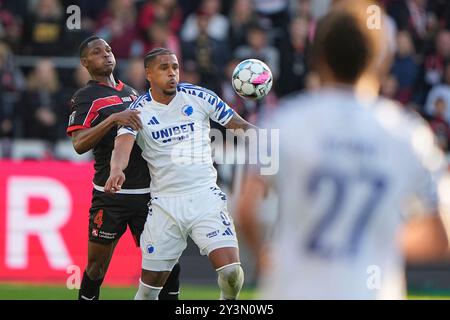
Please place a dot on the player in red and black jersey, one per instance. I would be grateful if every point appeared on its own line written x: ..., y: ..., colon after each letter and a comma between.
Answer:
x: 97, y: 110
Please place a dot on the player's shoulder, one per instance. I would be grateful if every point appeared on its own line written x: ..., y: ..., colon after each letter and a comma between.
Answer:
x: 398, y: 119
x: 87, y: 92
x: 192, y: 89
x: 141, y: 101
x: 90, y: 92
x: 411, y: 129
x: 296, y: 103
x: 129, y: 90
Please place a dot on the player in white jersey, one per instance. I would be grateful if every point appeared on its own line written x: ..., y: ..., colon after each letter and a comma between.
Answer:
x: 352, y: 173
x: 185, y: 198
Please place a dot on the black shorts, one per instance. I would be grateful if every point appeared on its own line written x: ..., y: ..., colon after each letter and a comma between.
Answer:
x: 110, y: 214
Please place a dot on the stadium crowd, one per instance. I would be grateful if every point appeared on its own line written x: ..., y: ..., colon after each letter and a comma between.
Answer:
x: 39, y: 65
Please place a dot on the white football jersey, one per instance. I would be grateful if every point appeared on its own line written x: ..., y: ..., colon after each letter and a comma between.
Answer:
x: 175, y: 138
x: 348, y: 170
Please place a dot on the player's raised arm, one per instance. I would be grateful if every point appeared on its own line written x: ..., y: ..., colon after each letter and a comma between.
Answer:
x: 119, y: 162
x: 223, y: 114
x: 237, y: 122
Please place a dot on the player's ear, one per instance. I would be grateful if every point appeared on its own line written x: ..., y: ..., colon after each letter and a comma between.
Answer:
x: 84, y: 62
x: 147, y: 72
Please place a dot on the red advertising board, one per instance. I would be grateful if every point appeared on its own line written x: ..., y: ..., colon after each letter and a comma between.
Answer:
x: 44, y: 210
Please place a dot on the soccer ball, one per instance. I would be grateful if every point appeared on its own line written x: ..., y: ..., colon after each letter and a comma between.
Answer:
x: 252, y: 79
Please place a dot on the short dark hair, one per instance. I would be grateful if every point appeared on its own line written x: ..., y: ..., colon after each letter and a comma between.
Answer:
x: 85, y: 43
x: 149, y: 57
x: 344, y: 44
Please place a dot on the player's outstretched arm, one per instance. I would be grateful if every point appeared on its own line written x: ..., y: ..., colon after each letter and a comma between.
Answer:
x: 84, y: 140
x: 424, y: 239
x: 254, y: 190
x: 119, y: 161
x: 237, y: 122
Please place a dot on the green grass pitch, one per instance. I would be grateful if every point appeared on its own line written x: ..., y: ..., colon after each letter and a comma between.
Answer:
x: 19, y: 291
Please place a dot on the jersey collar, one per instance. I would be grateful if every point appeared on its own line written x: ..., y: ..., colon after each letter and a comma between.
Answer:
x: 118, y: 87
x: 159, y: 104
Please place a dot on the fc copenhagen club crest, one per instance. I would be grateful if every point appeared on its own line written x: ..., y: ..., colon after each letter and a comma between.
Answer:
x: 187, y: 110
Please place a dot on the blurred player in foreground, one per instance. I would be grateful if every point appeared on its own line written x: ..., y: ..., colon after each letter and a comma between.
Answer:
x: 97, y: 110
x: 357, y: 183
x: 185, y: 198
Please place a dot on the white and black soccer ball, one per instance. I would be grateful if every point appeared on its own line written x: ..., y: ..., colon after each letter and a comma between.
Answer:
x: 252, y: 79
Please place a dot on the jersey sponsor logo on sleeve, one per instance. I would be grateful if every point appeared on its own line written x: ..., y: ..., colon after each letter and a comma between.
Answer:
x: 225, y: 219
x: 72, y: 118
x: 212, y: 234
x: 227, y: 232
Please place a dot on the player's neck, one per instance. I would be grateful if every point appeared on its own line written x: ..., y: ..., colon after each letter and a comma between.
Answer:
x: 161, y: 97
x: 107, y: 80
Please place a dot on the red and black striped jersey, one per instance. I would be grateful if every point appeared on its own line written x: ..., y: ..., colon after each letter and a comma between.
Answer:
x: 91, y: 105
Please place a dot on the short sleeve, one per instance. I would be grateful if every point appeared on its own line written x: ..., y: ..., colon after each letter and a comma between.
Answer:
x: 134, y: 105
x: 85, y: 111
x: 430, y: 170
x: 126, y: 130
x: 78, y: 115
x: 220, y: 112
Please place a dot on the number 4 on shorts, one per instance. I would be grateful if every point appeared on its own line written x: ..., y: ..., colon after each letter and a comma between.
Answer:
x: 98, y: 219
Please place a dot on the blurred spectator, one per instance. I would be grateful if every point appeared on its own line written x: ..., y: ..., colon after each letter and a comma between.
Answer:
x: 135, y: 75
x: 161, y: 10
x: 259, y: 48
x: 303, y: 8
x: 242, y: 16
x: 411, y: 15
x: 10, y: 28
x: 405, y: 68
x: 19, y: 8
x: 189, y: 72
x: 432, y: 70
x: 389, y: 87
x: 188, y: 7
x: 293, y: 57
x: 80, y: 77
x: 44, y: 29
x: 440, y: 124
x: 11, y: 83
x: 441, y: 9
x: 157, y: 35
x: 43, y: 106
x: 441, y: 91
x: 218, y: 24
x: 117, y: 26
x: 90, y: 9
x: 275, y: 11
x: 210, y: 55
